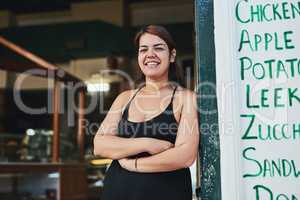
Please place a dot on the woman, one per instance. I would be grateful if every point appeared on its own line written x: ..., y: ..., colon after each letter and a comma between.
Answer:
x: 151, y: 133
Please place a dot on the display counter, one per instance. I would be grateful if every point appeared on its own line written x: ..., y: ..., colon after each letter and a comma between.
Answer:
x: 43, y: 181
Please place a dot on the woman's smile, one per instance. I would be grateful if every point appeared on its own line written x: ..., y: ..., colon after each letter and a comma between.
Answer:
x: 152, y: 64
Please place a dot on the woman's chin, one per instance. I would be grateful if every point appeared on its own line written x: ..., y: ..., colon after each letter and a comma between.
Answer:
x: 154, y: 76
x: 151, y: 72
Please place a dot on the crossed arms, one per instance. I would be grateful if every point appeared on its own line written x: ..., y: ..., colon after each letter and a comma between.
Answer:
x: 165, y: 156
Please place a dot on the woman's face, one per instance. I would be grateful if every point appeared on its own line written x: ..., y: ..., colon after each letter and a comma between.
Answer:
x: 154, y: 56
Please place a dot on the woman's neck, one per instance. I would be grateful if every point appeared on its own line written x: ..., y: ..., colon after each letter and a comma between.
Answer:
x: 156, y: 85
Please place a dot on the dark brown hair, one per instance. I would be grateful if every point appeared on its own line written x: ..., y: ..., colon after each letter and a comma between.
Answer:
x: 174, y: 73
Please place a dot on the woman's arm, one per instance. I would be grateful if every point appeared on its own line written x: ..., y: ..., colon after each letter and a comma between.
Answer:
x: 115, y: 147
x: 108, y: 145
x: 186, y: 146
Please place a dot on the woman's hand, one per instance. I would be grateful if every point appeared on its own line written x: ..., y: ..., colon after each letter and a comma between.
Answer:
x: 127, y: 164
x: 155, y: 146
x: 152, y: 146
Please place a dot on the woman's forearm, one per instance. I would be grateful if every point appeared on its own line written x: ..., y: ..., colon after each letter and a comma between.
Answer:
x: 172, y: 159
x: 114, y: 147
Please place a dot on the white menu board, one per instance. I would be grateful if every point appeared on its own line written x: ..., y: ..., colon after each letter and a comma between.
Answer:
x: 258, y: 82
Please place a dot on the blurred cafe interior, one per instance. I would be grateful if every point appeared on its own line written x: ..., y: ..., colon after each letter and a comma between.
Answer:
x: 58, y: 58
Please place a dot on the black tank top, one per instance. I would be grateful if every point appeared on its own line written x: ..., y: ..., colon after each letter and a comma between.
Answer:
x: 121, y: 184
x: 163, y: 126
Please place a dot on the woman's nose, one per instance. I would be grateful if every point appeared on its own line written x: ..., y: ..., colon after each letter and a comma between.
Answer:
x: 150, y: 52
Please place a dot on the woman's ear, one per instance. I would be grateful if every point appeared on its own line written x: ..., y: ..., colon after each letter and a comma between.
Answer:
x: 173, y: 56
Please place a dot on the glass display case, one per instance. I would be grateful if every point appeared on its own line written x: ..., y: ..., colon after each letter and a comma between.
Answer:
x: 29, y: 186
x: 38, y: 159
x: 59, y: 181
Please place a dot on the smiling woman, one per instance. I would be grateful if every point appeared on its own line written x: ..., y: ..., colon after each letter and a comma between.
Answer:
x: 154, y: 58
x: 151, y: 133
x: 162, y: 42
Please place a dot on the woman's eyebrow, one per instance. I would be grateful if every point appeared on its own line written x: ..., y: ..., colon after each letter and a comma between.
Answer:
x: 159, y: 44
x: 155, y: 45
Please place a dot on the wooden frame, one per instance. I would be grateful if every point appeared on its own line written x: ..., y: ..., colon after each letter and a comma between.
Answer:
x: 35, y: 62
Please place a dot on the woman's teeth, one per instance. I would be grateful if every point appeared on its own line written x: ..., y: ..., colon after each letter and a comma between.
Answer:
x: 152, y: 64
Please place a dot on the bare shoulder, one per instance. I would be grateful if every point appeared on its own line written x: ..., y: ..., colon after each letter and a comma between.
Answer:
x: 124, y: 97
x: 184, y: 100
x: 186, y: 94
x: 187, y: 99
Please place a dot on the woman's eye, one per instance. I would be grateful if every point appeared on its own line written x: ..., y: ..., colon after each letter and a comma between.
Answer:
x: 159, y: 49
x: 142, y: 50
